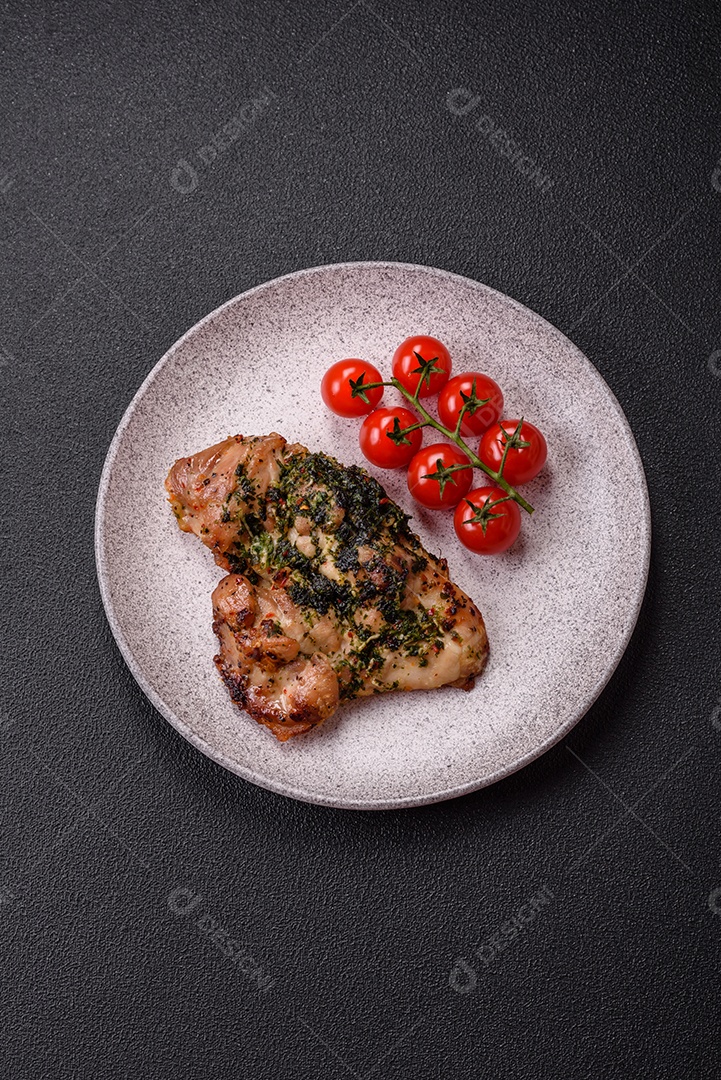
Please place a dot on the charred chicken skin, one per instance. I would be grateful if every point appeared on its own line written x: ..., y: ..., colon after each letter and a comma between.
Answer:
x: 328, y: 596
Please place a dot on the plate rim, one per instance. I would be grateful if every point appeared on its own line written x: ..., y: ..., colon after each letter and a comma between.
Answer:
x: 299, y: 793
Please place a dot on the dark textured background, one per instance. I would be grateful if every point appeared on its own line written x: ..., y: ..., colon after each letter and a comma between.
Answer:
x: 358, y: 918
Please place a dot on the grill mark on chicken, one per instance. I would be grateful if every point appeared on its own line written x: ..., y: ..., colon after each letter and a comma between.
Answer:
x: 328, y: 596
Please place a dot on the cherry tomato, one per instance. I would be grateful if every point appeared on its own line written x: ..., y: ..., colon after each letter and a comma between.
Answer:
x: 486, y: 525
x: 458, y: 390
x: 336, y: 389
x: 446, y: 488
x: 526, y: 455
x: 379, y: 448
x: 411, y: 362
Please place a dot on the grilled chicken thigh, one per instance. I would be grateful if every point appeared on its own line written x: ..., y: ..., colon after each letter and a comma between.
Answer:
x: 328, y: 596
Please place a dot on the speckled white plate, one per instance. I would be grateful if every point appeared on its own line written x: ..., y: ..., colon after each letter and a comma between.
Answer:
x: 559, y: 608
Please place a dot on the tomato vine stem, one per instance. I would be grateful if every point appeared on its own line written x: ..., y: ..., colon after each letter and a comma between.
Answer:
x: 455, y: 436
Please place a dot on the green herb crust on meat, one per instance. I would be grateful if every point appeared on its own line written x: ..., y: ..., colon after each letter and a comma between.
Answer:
x: 331, y: 565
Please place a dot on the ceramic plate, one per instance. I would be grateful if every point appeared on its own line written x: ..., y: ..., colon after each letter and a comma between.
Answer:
x: 559, y: 608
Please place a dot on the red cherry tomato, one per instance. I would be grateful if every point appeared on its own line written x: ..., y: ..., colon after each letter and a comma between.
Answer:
x: 411, y: 362
x: 486, y: 525
x: 526, y: 455
x: 379, y: 448
x: 443, y: 489
x: 336, y: 389
x: 452, y: 400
